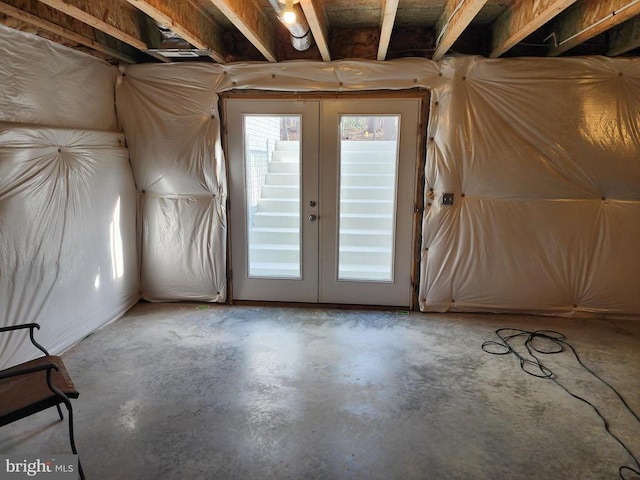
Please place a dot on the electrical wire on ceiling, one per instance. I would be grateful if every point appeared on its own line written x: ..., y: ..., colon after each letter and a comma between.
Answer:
x: 549, y: 342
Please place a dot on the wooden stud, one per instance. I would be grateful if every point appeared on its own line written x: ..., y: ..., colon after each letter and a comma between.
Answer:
x: 249, y: 18
x: 387, y: 19
x: 112, y: 17
x: 457, y: 16
x: 522, y: 19
x: 67, y: 33
x: 318, y: 25
x: 588, y: 18
x: 625, y: 37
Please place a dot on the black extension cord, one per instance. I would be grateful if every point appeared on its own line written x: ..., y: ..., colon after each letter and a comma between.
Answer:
x: 555, y: 342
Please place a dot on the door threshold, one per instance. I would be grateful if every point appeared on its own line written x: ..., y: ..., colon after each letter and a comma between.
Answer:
x: 337, y: 306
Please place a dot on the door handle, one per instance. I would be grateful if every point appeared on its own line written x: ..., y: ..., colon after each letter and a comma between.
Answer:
x: 313, y: 218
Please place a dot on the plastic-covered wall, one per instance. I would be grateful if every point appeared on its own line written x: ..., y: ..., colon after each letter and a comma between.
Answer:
x: 543, y: 159
x: 542, y: 156
x: 44, y: 83
x: 173, y: 134
x: 68, y: 254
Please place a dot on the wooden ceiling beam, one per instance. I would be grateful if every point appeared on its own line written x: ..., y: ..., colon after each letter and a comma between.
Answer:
x: 252, y: 22
x: 625, y: 37
x: 316, y: 19
x: 387, y: 19
x: 522, y: 19
x: 186, y: 20
x: 457, y: 16
x: 588, y: 18
x: 113, y: 17
x: 74, y: 31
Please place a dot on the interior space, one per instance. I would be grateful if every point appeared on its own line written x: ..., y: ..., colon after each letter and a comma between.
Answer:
x: 305, y: 239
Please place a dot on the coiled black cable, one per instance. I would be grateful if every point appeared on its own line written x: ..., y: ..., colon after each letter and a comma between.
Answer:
x: 552, y: 342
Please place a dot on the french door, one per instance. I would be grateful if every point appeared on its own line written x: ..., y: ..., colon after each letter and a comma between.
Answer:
x: 322, y: 199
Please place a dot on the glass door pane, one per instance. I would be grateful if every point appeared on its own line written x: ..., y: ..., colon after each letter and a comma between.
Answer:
x: 272, y: 185
x: 370, y: 152
x: 367, y: 197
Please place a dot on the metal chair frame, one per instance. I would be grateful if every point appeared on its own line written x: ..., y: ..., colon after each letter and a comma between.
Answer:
x: 56, y: 397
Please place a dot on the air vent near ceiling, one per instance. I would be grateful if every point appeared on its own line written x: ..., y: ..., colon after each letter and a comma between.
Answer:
x: 179, y: 53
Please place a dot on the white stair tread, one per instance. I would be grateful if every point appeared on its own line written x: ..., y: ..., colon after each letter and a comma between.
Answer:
x: 275, y: 269
x: 359, y: 249
x: 366, y: 201
x: 365, y: 215
x: 277, y: 214
x: 356, y: 267
x: 366, y: 187
x: 275, y: 230
x: 281, y: 199
x: 364, y: 231
x: 274, y: 246
x: 367, y: 175
x: 287, y: 145
x: 372, y: 162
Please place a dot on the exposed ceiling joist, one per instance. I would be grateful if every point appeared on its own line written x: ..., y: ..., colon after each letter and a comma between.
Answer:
x: 249, y: 30
x: 521, y: 20
x: 588, y: 18
x: 184, y: 19
x: 248, y: 17
x: 625, y: 37
x: 318, y: 25
x: 75, y: 31
x: 456, y: 17
x: 113, y: 17
x: 387, y: 19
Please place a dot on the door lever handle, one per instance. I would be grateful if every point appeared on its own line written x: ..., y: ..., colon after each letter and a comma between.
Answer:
x: 313, y: 218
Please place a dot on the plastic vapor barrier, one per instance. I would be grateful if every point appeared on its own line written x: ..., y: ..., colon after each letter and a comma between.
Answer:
x: 68, y: 254
x: 170, y: 116
x: 543, y: 159
x: 542, y: 156
x: 173, y: 134
x: 67, y: 243
x: 44, y: 83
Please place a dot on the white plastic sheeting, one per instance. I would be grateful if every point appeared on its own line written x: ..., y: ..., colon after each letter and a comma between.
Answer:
x: 547, y: 155
x: 68, y: 244
x: 170, y: 116
x: 542, y: 156
x: 173, y: 133
x: 44, y: 83
x: 68, y: 254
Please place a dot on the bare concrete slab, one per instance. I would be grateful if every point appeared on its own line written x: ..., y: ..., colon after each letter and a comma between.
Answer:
x: 186, y: 391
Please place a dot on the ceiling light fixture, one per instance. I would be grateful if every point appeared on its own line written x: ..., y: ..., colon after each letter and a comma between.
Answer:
x: 289, y: 14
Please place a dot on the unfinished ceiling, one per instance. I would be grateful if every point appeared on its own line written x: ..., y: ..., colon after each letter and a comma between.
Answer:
x: 136, y: 31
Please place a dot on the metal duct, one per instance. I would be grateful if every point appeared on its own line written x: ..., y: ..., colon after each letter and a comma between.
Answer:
x: 300, y: 32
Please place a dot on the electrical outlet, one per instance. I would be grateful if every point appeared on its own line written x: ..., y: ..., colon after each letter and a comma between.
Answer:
x: 447, y: 199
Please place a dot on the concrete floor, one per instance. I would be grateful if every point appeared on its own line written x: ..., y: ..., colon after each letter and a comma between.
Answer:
x: 178, y: 391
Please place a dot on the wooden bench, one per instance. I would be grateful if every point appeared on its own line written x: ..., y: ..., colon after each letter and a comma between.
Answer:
x: 36, y: 385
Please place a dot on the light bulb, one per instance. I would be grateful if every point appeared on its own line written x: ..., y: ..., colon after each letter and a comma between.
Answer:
x: 289, y: 16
